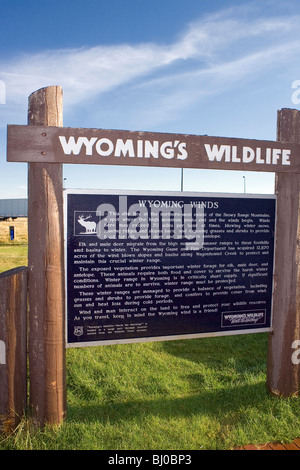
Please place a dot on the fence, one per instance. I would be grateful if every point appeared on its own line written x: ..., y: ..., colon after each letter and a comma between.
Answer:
x: 13, y: 347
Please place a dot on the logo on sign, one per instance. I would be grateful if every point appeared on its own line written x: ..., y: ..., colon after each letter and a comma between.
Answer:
x: 89, y: 225
x: 85, y: 223
x: 78, y: 330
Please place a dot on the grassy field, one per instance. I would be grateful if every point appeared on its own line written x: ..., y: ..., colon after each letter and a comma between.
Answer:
x: 20, y: 225
x: 175, y: 395
x: 13, y: 253
x: 178, y: 395
x: 12, y: 256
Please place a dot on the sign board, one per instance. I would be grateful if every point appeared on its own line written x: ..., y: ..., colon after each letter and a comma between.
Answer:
x: 156, y: 266
x: 119, y: 147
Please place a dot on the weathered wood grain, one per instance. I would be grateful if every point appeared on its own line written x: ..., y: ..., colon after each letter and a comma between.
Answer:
x: 13, y: 354
x: 283, y: 376
x: 42, y: 144
x: 46, y: 271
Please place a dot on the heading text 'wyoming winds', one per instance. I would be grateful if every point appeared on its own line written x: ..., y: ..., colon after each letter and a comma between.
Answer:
x: 147, y: 220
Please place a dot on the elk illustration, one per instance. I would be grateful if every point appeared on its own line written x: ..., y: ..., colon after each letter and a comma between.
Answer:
x: 90, y: 227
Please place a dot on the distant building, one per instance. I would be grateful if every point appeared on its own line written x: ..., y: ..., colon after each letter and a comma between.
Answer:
x: 13, y: 208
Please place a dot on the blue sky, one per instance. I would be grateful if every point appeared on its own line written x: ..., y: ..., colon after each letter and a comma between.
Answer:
x: 221, y: 68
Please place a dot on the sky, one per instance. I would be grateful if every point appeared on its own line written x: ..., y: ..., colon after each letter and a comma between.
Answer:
x: 221, y: 68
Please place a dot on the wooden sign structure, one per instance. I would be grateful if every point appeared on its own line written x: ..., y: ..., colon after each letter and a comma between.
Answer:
x: 114, y: 147
x: 283, y: 375
x: 46, y: 271
x: 47, y: 145
x: 13, y: 347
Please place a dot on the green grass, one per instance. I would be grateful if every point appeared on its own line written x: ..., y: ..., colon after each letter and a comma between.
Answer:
x: 12, y: 256
x: 176, y: 395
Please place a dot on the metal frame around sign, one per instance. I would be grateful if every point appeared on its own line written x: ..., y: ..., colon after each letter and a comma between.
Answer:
x: 159, y: 194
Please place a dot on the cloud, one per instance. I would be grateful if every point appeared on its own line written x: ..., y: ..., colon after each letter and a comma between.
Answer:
x: 82, y: 71
x: 192, y: 85
x: 210, y: 55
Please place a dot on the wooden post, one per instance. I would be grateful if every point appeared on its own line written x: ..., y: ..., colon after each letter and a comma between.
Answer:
x: 13, y: 347
x: 46, y: 271
x: 283, y: 375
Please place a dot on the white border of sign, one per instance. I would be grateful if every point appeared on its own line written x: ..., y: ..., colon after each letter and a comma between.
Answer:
x: 161, y: 193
